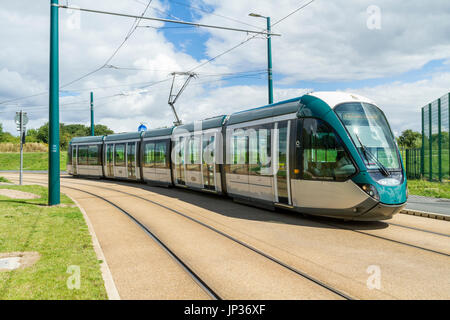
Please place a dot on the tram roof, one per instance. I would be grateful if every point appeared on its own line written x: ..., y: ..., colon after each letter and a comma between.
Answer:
x: 87, y: 139
x: 124, y: 136
x: 206, y: 124
x: 333, y: 98
x: 271, y: 110
x: 158, y: 132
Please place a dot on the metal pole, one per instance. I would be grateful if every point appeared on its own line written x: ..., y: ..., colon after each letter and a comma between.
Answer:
x: 269, y: 61
x: 422, y: 152
x: 53, y: 150
x: 92, y: 115
x: 439, y: 141
x: 21, y: 147
x: 407, y: 163
x: 430, y: 141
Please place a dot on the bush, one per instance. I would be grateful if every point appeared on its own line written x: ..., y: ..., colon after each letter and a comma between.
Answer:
x: 27, y: 147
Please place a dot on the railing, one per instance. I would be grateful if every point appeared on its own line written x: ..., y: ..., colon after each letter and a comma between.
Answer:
x: 413, y: 163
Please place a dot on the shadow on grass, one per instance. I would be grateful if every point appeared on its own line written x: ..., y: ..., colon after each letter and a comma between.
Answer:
x: 25, y: 202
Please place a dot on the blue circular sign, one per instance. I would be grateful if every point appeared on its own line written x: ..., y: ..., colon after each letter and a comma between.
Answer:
x: 142, y: 127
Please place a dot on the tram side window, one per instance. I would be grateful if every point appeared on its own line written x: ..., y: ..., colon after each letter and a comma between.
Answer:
x: 93, y: 155
x: 83, y: 155
x: 109, y: 154
x: 69, y: 155
x: 194, y: 150
x: 119, y: 155
x: 179, y: 147
x: 209, y: 148
x: 239, y: 153
x: 324, y: 157
x: 149, y: 155
x: 260, y: 149
x: 160, y: 154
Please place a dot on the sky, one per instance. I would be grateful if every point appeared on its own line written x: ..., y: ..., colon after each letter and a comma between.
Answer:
x: 397, y: 53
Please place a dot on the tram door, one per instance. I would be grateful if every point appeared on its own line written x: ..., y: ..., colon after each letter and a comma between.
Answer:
x: 181, y: 161
x: 282, y: 175
x: 131, y: 159
x: 74, y: 159
x: 109, y: 160
x: 193, y: 162
x: 208, y: 162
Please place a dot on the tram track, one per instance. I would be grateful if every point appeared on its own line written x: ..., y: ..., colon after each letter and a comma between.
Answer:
x: 388, y: 239
x: 309, y: 218
x: 197, y: 279
x: 419, y: 229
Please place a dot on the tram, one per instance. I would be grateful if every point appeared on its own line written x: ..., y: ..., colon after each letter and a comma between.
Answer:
x: 328, y: 154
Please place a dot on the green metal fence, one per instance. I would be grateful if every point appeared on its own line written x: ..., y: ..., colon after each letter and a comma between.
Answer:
x: 412, y: 161
x: 435, y: 140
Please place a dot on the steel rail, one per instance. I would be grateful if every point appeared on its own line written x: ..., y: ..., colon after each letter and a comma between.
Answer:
x: 202, y: 284
x: 267, y: 256
x: 418, y: 229
x: 316, y: 219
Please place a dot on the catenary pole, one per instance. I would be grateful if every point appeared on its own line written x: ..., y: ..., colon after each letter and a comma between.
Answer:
x: 92, y: 115
x: 269, y: 55
x: 21, y: 148
x: 53, y: 147
x: 269, y: 61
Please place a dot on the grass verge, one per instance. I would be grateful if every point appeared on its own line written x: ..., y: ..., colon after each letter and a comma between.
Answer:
x: 429, y: 189
x: 61, y: 237
x: 3, y: 179
x: 31, y: 161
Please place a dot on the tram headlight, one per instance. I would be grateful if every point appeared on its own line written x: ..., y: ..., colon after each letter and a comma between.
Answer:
x: 370, y: 190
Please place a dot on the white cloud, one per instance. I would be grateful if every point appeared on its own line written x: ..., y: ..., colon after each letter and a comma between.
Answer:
x: 327, y: 41
x: 402, y: 102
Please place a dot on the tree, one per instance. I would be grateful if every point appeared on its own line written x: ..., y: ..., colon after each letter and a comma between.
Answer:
x: 42, y: 133
x: 67, y: 132
x: 101, y: 130
x: 410, y: 139
x: 31, y: 135
x: 7, y: 137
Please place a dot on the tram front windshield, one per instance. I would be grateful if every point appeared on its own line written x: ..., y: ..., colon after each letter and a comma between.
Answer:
x: 371, y: 134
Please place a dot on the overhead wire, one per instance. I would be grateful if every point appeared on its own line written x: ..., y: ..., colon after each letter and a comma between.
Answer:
x: 248, y: 39
x: 293, y: 12
x: 133, y: 28
x: 215, y: 14
x: 129, y: 33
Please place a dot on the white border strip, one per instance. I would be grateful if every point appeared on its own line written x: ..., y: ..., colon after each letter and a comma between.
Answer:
x: 110, y: 286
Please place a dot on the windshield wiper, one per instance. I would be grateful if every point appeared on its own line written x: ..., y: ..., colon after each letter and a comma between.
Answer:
x: 368, y: 154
